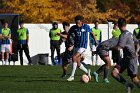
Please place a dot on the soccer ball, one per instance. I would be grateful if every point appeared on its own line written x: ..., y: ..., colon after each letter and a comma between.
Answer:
x: 84, y: 78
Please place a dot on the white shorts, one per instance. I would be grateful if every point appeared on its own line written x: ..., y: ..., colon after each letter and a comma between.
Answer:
x: 5, y: 48
x: 93, y: 48
x: 80, y: 50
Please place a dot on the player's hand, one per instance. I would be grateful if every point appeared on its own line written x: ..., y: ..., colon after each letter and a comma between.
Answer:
x: 70, y: 48
x: 58, y: 34
x: 96, y: 43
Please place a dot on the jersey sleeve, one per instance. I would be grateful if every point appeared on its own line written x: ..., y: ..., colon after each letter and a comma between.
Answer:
x: 27, y: 31
x: 71, y: 30
x: 88, y: 29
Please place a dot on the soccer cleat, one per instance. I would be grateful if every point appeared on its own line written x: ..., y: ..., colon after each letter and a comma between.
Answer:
x: 89, y: 74
x: 95, y: 76
x: 129, y: 87
x: 106, y: 81
x: 63, y: 76
x: 71, y: 78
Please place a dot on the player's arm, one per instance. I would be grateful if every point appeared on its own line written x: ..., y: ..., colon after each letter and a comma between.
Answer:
x: 9, y: 36
x: 121, y: 43
x: 1, y: 37
x: 62, y: 35
x: 93, y: 36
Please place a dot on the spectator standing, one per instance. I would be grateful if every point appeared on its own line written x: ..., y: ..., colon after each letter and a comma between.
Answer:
x: 5, y: 35
x: 55, y: 41
x: 23, y: 41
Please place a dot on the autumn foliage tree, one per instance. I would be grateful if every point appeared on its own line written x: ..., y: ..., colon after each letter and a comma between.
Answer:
x: 45, y: 11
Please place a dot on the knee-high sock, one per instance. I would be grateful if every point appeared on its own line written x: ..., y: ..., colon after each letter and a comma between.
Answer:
x: 120, y: 79
x: 74, y: 66
x: 101, y: 69
x: 106, y: 73
x: 83, y: 68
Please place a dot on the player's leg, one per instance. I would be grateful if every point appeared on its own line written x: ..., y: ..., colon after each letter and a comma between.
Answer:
x: 93, y: 57
x: 58, y: 52
x: 2, y: 53
x: 64, y: 67
x: 21, y: 55
x: 80, y: 65
x: 116, y: 75
x: 64, y: 64
x: 132, y: 72
x: 52, y: 53
x: 75, y: 58
x: 136, y: 81
x: 26, y: 50
x: 7, y: 51
x: 104, y: 55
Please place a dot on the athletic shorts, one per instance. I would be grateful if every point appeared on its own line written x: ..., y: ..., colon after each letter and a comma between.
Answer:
x: 5, y: 48
x: 80, y: 50
x: 102, y: 53
x: 67, y: 55
x: 130, y: 65
x: 93, y: 48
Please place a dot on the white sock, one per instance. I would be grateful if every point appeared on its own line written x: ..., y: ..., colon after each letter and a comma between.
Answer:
x: 83, y: 68
x: 3, y: 62
x: 97, y: 59
x: 94, y: 59
x: 6, y: 61
x: 74, y: 66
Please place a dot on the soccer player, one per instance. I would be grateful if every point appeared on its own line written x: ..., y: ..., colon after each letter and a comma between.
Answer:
x: 80, y: 30
x: 23, y: 41
x: 98, y: 34
x: 103, y: 52
x: 55, y: 41
x: 126, y: 43
x: 115, y: 34
x: 69, y: 43
x: 5, y: 35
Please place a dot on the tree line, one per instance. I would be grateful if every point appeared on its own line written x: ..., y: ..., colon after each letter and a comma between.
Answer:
x: 46, y: 11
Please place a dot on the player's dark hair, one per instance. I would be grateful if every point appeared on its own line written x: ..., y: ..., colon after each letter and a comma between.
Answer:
x: 65, y: 23
x: 115, y: 23
x: 79, y: 17
x: 21, y: 22
x: 5, y: 21
x: 54, y: 23
x: 121, y: 22
x: 138, y: 22
x: 96, y: 21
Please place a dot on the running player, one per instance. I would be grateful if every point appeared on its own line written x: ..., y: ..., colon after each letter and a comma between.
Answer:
x: 126, y: 43
x: 69, y: 43
x: 80, y: 30
x: 103, y: 52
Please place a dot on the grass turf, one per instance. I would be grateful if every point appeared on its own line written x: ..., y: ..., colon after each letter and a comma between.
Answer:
x: 46, y: 79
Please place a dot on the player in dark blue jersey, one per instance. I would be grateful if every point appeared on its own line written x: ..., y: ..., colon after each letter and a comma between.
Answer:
x: 129, y: 60
x: 80, y: 30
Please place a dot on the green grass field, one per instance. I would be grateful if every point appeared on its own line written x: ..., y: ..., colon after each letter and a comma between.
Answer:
x: 46, y: 79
